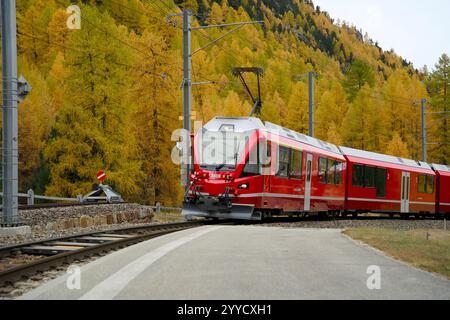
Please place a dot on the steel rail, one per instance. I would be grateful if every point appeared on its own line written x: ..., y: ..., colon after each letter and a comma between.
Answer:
x: 145, y: 232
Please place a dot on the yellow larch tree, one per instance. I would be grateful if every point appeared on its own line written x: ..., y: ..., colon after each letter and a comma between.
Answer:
x: 92, y: 130
x: 396, y: 147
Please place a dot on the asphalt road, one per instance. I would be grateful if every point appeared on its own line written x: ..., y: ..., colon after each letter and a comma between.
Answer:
x: 246, y: 262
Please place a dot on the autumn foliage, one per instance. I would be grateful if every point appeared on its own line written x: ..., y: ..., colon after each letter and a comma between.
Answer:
x: 107, y: 96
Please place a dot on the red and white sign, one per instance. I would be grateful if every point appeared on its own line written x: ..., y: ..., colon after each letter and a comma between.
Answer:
x: 101, y: 176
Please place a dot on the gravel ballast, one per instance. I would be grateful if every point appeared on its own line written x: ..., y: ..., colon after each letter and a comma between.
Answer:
x: 56, y: 222
x: 364, y: 222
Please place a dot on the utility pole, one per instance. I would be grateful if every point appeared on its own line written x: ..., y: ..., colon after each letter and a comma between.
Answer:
x: 10, y: 120
x: 424, y: 131
x: 187, y: 88
x: 310, y: 76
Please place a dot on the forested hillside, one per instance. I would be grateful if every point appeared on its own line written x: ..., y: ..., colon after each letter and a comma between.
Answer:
x: 108, y: 96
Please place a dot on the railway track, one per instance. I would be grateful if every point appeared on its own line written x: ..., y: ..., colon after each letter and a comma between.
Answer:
x: 52, y: 253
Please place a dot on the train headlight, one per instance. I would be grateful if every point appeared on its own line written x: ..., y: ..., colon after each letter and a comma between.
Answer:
x: 204, y: 175
x: 243, y: 186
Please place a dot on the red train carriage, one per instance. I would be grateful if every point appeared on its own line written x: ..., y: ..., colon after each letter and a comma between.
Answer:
x: 443, y: 189
x: 306, y: 175
x: 246, y: 170
x: 387, y: 184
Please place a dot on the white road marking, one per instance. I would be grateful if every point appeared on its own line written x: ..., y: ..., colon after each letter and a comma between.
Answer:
x: 115, y: 283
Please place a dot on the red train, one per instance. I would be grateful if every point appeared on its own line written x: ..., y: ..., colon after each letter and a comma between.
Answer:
x: 246, y: 170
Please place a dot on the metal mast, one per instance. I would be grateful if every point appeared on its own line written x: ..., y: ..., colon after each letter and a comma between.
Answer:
x: 311, y: 103
x: 310, y: 76
x: 187, y: 86
x: 424, y: 131
x: 10, y: 124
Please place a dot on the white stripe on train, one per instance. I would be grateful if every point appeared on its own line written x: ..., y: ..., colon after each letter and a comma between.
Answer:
x: 293, y: 196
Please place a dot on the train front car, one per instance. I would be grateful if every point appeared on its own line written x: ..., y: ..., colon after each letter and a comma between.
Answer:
x: 227, y: 162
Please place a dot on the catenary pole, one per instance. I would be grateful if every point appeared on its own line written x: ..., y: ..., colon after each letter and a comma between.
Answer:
x: 424, y: 131
x: 311, y: 103
x: 187, y: 85
x: 10, y: 120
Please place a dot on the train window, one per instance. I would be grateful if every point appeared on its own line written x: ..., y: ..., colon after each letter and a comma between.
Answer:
x: 430, y: 184
x: 380, y: 182
x: 331, y: 170
x: 425, y: 184
x: 308, y: 170
x: 283, y: 162
x: 250, y: 170
x: 322, y: 170
x: 421, y: 183
x: 266, y: 153
x: 296, y: 165
x: 357, y: 175
x: 369, y: 177
x: 338, y: 176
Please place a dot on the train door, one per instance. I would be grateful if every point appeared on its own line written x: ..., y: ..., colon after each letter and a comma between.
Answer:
x: 309, y: 159
x: 405, y: 192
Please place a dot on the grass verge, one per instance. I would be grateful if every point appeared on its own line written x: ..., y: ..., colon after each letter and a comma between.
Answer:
x: 165, y: 217
x: 413, y: 247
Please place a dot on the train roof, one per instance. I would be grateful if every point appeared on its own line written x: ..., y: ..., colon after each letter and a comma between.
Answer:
x: 384, y: 158
x: 441, y: 167
x: 239, y: 124
x: 243, y: 124
x: 302, y: 138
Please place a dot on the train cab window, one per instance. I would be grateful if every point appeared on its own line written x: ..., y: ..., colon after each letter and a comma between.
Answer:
x: 250, y: 170
x: 357, y: 175
x: 369, y: 177
x: 296, y: 165
x: 283, y: 162
x: 380, y: 182
x: 322, y: 172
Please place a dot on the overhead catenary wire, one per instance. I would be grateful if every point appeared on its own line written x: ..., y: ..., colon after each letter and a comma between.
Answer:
x: 237, y: 60
x: 109, y: 34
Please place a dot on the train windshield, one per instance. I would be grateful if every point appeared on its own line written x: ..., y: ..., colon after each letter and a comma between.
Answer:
x: 221, y: 151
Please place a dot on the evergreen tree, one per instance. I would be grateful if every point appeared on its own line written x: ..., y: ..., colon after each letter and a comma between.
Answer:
x: 92, y: 130
x: 360, y: 126
x: 396, y: 147
x: 359, y: 74
x: 297, y: 114
x: 439, y: 87
x: 154, y: 118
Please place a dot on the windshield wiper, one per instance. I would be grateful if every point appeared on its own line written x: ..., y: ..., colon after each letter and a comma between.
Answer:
x: 220, y: 166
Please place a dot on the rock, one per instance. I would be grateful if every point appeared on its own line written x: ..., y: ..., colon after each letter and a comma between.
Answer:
x: 85, y: 221
x: 119, y: 217
x: 103, y: 219
x: 144, y: 213
x: 67, y: 224
x: 111, y: 219
x: 49, y: 226
x: 97, y: 221
x: 76, y: 222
